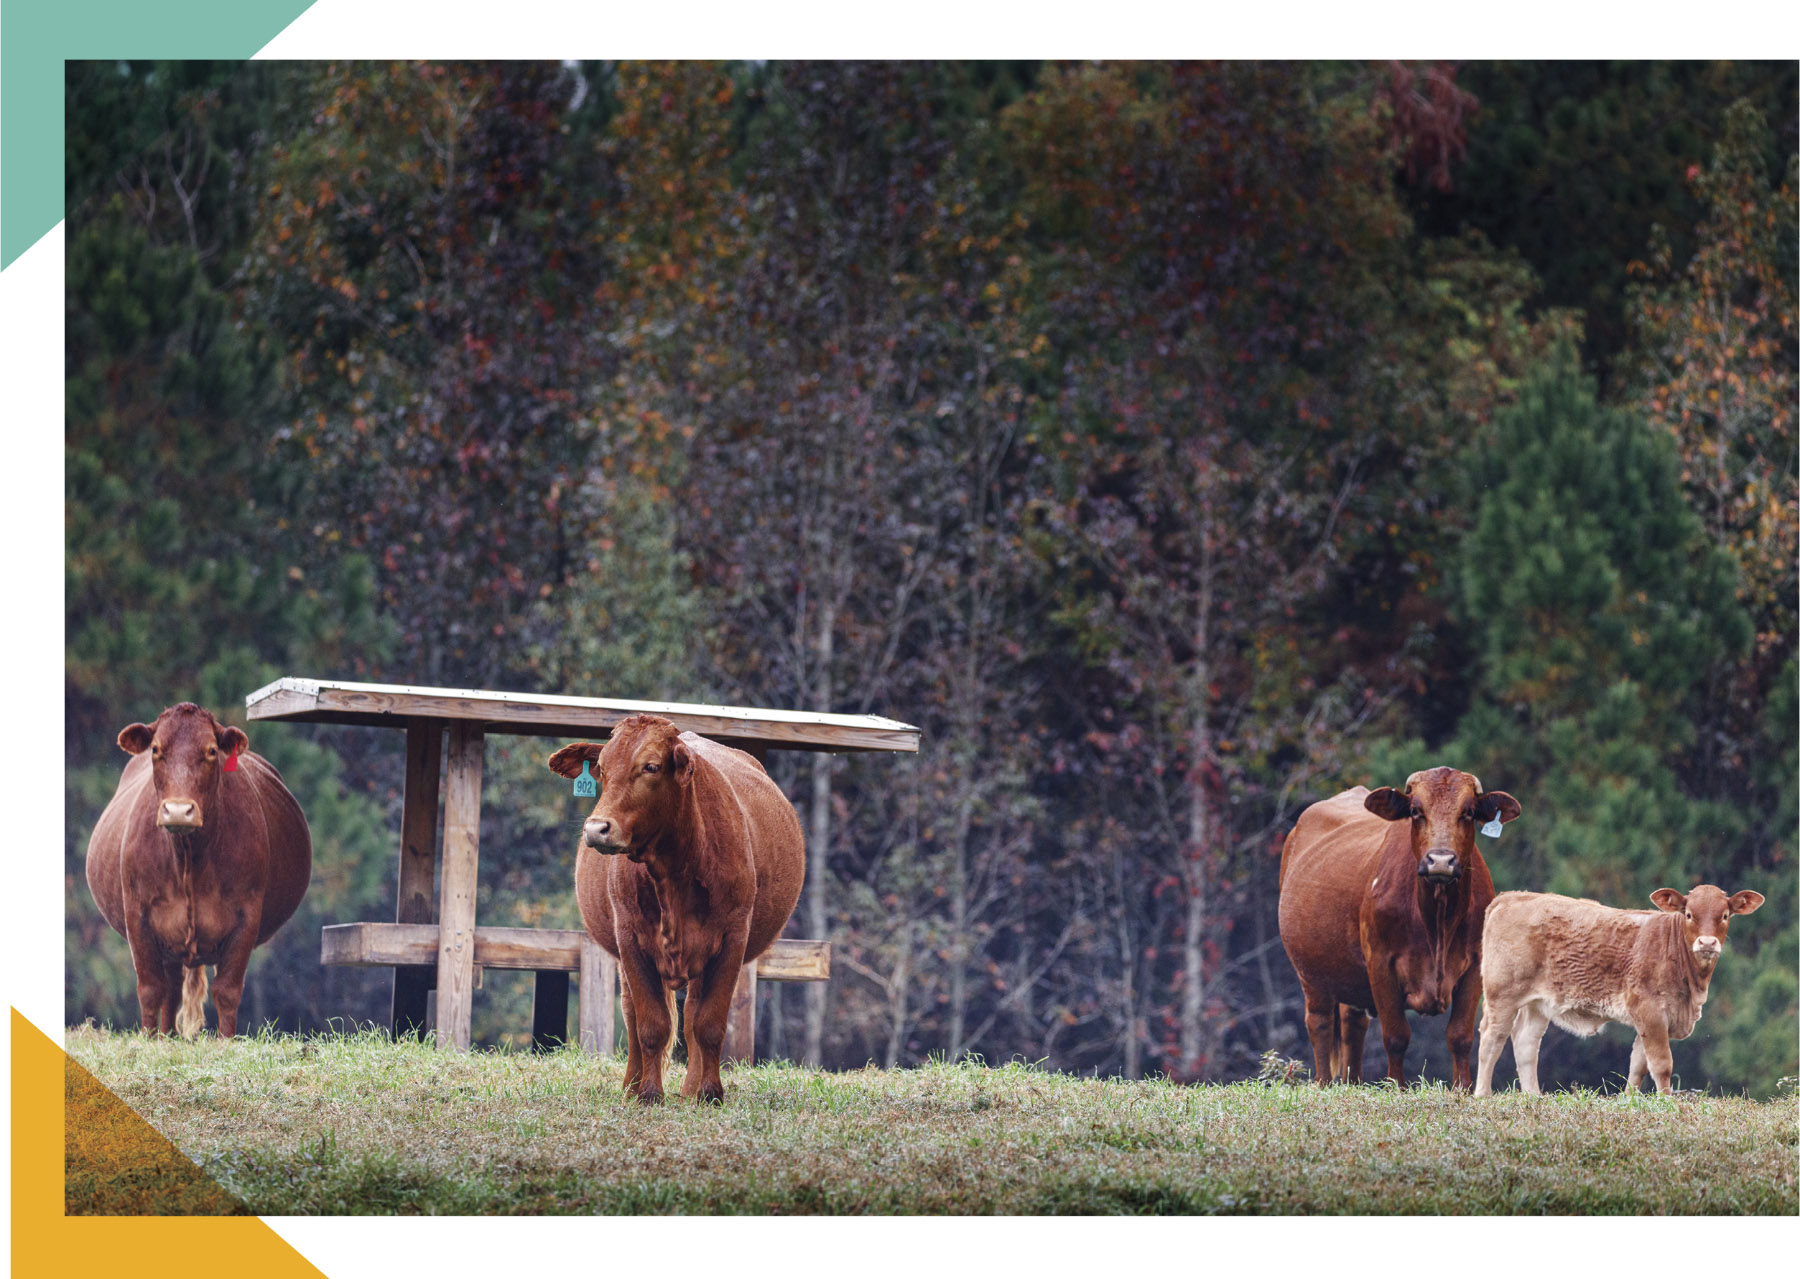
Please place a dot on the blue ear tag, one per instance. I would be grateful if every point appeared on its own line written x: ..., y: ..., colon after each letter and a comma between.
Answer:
x: 585, y: 785
x: 1491, y: 830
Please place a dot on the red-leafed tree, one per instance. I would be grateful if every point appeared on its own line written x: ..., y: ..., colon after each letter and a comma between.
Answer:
x: 1719, y: 358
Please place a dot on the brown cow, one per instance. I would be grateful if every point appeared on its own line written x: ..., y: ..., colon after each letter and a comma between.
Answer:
x: 1382, y: 898
x: 196, y: 862
x: 712, y: 867
x: 1580, y: 964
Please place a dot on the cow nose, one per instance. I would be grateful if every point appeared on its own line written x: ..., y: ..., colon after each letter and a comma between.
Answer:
x: 1708, y: 945
x: 599, y: 834
x: 181, y: 813
x: 1439, y: 863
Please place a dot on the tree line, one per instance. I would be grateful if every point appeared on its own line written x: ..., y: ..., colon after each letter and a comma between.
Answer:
x: 1176, y: 444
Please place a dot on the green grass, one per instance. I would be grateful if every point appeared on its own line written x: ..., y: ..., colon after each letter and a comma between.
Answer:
x: 353, y: 1124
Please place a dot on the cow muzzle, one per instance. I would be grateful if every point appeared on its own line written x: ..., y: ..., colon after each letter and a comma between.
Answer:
x: 602, y: 835
x: 1439, y: 866
x: 1708, y: 947
x: 179, y: 814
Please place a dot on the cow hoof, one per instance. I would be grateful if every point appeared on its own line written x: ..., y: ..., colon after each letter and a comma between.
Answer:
x: 711, y: 1095
x: 647, y: 1098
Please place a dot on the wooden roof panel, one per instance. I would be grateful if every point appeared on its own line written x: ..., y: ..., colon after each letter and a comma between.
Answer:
x: 554, y: 715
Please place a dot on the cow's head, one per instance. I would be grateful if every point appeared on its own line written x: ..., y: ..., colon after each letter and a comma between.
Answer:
x: 187, y: 749
x: 644, y: 770
x: 1706, y: 916
x: 1444, y: 805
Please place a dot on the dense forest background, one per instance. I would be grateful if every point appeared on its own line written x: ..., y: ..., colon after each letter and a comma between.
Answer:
x: 1176, y: 444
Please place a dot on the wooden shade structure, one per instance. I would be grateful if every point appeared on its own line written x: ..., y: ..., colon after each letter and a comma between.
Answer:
x: 434, y: 942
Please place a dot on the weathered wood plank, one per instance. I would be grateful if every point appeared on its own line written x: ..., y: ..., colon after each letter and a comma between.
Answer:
x: 379, y: 945
x: 546, y: 715
x: 533, y: 949
x: 456, y: 897
x: 418, y: 868
x: 550, y: 1011
x: 599, y: 984
x: 795, y: 959
x: 740, y: 1026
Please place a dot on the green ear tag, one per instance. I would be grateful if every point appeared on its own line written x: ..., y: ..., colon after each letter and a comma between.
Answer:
x: 585, y: 785
x: 1491, y: 830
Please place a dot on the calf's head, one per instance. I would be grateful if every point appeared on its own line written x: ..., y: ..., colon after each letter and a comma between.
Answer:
x: 1706, y: 916
x: 1444, y: 805
x: 644, y: 771
x: 187, y: 749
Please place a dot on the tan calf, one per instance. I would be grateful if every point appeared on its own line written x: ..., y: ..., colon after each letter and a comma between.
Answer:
x: 1579, y: 964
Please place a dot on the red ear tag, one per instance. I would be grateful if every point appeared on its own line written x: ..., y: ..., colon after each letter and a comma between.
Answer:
x: 231, y: 762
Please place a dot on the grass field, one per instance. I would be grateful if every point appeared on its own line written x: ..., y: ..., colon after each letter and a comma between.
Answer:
x: 353, y: 1124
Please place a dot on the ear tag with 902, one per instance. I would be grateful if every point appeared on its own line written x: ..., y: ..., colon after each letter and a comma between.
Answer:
x: 585, y: 785
x: 1491, y: 830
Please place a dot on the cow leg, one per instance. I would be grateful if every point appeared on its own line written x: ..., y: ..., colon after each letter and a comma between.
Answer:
x: 1635, y: 1080
x: 1321, y: 1028
x: 1654, y: 1035
x: 153, y: 988
x: 1460, y: 1034
x: 169, y: 1015
x: 1528, y: 1027
x: 707, y: 1018
x: 634, y: 1054
x: 1390, y: 1009
x: 650, y: 1023
x: 1353, y: 1024
x: 690, y: 1020
x: 228, y: 979
x: 1496, y: 1026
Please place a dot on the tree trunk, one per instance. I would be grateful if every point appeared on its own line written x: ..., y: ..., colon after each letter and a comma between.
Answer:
x: 1128, y: 983
x: 897, y: 997
x: 1193, y: 948
x: 777, y: 1020
x: 818, y: 844
x: 959, y: 923
x: 1196, y: 871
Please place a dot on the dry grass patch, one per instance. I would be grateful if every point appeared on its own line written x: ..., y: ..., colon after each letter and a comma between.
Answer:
x: 354, y: 1124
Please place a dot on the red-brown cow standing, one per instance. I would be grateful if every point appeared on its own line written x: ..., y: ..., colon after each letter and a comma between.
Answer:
x: 196, y: 862
x: 689, y: 865
x: 1382, y: 898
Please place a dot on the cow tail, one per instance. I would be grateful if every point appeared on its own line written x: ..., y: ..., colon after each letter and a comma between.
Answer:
x: 191, y: 1020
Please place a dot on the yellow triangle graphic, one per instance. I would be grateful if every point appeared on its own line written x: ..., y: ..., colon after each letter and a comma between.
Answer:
x: 109, y: 1161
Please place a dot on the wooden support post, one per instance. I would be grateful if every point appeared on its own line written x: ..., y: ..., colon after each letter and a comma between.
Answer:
x: 550, y: 1011
x: 599, y: 979
x: 740, y: 1027
x: 418, y: 866
x: 456, y: 898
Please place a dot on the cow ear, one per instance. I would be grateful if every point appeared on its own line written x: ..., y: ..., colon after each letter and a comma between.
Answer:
x: 682, y: 760
x: 1745, y: 902
x: 134, y: 739
x: 567, y: 761
x: 1497, y: 803
x: 1389, y: 803
x: 233, y: 741
x: 1668, y: 899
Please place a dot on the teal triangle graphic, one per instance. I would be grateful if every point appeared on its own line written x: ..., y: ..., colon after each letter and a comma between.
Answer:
x: 36, y: 36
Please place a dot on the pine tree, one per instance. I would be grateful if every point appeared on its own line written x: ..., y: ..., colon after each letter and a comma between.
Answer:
x: 1597, y: 606
x: 184, y: 579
